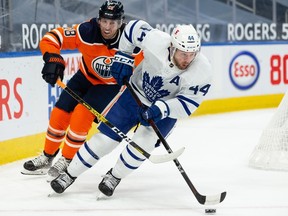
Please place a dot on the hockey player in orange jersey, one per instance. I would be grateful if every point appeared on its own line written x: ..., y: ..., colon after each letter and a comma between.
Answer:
x: 97, y: 40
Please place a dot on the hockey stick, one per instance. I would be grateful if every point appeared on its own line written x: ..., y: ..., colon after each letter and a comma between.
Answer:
x: 202, y: 199
x: 152, y: 158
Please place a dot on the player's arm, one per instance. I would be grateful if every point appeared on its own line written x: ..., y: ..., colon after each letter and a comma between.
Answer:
x: 134, y: 34
x: 50, y: 46
x: 195, y: 84
x: 193, y: 89
x: 182, y: 106
x: 187, y: 101
x: 59, y: 39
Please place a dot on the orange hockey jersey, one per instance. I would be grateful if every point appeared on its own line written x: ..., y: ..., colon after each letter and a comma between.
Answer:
x: 97, y: 53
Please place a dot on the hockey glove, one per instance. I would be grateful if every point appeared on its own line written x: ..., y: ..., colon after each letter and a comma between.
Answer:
x: 155, y: 112
x: 122, y: 67
x: 151, y: 113
x: 54, y: 67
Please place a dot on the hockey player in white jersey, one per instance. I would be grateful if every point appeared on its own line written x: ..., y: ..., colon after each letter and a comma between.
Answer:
x: 172, y: 81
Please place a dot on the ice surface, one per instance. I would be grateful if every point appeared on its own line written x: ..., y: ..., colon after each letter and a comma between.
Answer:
x: 216, y: 157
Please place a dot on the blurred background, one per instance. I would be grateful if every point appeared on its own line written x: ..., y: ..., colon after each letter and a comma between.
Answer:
x: 28, y: 20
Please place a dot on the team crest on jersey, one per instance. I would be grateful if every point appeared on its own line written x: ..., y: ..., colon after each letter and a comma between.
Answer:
x: 152, y: 87
x: 101, y: 66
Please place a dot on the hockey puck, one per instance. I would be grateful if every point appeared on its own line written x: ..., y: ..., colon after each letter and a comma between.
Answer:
x: 210, y: 211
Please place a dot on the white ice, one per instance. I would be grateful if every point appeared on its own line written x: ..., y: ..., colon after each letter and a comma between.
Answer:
x: 216, y: 159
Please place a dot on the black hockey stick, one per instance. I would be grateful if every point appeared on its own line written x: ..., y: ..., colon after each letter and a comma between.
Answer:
x: 152, y: 158
x: 202, y: 199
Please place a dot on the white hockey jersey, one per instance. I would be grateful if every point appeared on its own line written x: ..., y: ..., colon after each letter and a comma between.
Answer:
x: 157, y: 78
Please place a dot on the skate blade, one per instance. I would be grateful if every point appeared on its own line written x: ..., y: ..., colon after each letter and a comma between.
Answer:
x: 52, y: 194
x: 35, y: 172
x: 101, y: 196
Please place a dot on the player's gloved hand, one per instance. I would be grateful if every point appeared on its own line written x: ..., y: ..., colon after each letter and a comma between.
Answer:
x: 155, y: 112
x: 122, y: 67
x: 54, y: 67
x: 151, y: 113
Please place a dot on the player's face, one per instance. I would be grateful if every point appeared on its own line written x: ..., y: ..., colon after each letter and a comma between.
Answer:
x: 183, y: 59
x: 109, y: 27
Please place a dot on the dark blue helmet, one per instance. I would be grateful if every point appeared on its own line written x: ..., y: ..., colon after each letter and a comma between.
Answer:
x: 112, y: 10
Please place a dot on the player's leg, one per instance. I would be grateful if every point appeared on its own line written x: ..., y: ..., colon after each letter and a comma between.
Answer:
x: 100, y: 97
x: 58, y: 124
x: 99, y: 145
x: 86, y: 157
x: 62, y: 163
x: 130, y: 159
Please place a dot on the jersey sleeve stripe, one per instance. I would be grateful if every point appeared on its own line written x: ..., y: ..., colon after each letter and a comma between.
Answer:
x: 180, y: 97
x: 183, y: 101
x: 129, y: 37
x: 57, y: 37
x: 185, y: 107
x: 52, y: 39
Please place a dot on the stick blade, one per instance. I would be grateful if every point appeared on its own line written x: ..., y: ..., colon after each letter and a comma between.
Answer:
x: 212, y: 200
x: 166, y: 157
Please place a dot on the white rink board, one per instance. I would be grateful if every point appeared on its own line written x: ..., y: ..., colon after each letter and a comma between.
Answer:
x: 25, y: 97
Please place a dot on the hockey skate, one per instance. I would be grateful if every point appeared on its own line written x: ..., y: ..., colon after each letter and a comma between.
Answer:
x: 62, y: 182
x: 39, y: 165
x: 59, y: 167
x: 108, y: 184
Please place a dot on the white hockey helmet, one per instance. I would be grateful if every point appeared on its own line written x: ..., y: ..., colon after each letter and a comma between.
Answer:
x: 186, y: 38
